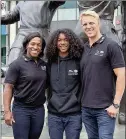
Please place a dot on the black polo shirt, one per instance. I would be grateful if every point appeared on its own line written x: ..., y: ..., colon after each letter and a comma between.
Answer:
x: 98, y: 78
x: 29, y: 80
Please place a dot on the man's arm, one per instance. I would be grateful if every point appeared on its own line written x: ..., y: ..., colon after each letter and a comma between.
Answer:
x: 118, y: 65
x: 120, y: 84
x: 117, y: 62
x: 11, y: 17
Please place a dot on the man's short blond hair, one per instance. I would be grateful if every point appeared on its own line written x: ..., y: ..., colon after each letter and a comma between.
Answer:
x: 89, y: 13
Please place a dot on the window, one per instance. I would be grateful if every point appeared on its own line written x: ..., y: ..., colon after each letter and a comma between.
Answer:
x: 67, y: 14
x: 3, y: 40
x: 68, y: 5
x: 3, y: 43
x: 4, y: 34
x: 3, y: 30
x: 3, y: 55
x: 3, y: 49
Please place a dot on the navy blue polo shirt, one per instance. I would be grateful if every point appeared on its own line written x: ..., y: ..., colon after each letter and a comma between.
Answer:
x: 29, y: 80
x: 98, y: 78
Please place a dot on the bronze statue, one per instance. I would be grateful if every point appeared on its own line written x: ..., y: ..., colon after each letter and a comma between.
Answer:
x: 105, y: 9
x: 33, y: 16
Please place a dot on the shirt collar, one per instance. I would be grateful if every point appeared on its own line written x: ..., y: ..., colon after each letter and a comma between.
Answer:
x: 102, y: 38
x: 26, y: 58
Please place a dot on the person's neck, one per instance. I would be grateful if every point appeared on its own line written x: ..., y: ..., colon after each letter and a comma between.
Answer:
x: 34, y: 58
x: 94, y: 39
x: 63, y: 54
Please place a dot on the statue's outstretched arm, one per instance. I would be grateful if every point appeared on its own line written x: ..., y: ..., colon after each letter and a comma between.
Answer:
x: 11, y: 17
x: 55, y: 4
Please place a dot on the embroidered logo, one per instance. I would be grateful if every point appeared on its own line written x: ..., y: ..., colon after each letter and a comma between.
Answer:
x: 76, y: 72
x: 73, y: 72
x: 99, y: 53
x: 43, y: 68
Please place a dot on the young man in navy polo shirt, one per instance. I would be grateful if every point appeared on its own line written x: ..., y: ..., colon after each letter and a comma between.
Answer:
x: 103, y: 79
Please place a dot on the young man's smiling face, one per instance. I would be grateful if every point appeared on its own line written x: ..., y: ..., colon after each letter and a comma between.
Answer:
x: 90, y: 26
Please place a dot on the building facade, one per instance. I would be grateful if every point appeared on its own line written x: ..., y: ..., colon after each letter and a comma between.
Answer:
x: 3, y: 35
x: 8, y: 32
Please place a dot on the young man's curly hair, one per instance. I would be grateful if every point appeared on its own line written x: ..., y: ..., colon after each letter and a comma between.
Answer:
x: 75, y: 45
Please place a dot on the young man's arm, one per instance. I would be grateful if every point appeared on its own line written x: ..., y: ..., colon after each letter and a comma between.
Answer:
x: 120, y: 87
x: 118, y: 65
x: 120, y: 84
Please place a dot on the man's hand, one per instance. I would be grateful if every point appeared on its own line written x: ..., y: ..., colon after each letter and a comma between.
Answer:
x: 8, y: 117
x: 112, y: 111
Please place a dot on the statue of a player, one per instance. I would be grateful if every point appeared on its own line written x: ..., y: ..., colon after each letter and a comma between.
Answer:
x: 105, y: 9
x: 33, y: 16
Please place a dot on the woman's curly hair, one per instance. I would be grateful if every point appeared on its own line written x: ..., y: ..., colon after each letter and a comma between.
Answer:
x: 75, y: 44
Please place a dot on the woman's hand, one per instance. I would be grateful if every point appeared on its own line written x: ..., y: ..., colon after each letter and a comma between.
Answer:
x: 8, y: 117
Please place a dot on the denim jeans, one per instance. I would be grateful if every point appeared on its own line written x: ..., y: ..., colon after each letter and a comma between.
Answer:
x: 98, y: 124
x: 71, y: 124
x: 28, y: 122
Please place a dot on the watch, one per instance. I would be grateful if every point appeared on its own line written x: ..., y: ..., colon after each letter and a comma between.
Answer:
x: 116, y: 105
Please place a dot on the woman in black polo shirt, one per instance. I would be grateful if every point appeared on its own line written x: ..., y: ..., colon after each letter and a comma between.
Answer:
x: 26, y: 81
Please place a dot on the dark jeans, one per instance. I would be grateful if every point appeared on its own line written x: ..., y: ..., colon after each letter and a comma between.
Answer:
x: 98, y: 124
x: 71, y: 124
x: 28, y: 122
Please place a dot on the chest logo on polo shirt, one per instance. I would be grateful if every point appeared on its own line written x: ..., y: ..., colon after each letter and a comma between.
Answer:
x: 43, y: 68
x: 73, y: 72
x: 99, y: 53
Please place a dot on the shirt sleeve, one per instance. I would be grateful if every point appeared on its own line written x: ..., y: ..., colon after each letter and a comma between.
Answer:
x: 116, y: 55
x: 12, y: 73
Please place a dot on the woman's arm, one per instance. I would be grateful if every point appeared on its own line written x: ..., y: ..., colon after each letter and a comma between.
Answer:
x: 7, y: 98
x: 10, y: 81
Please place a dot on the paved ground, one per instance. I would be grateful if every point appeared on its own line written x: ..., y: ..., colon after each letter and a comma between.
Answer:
x: 7, y: 132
